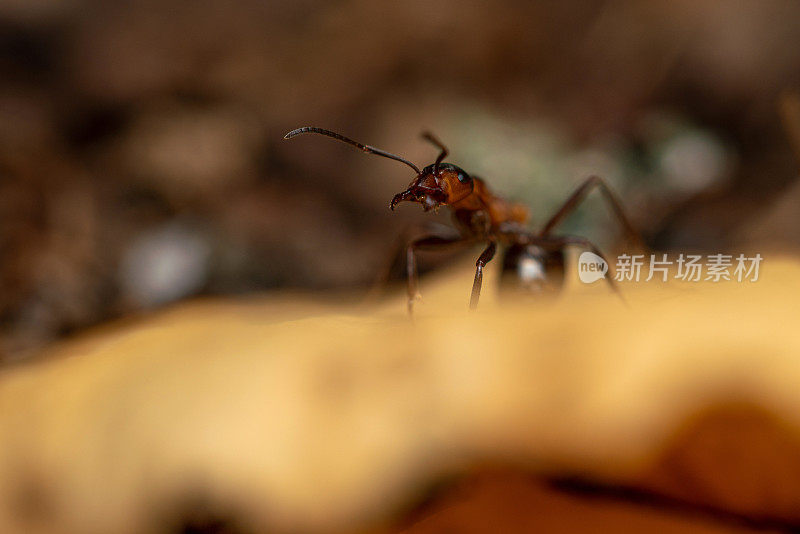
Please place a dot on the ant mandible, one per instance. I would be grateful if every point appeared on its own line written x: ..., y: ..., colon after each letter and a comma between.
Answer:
x: 481, y: 216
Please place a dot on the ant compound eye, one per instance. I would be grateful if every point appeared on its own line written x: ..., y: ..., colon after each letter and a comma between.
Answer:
x: 458, y: 184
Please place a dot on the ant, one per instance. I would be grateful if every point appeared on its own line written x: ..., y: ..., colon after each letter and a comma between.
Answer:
x: 536, y: 259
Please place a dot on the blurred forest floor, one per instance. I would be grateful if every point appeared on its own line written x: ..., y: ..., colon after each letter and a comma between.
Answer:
x: 678, y: 413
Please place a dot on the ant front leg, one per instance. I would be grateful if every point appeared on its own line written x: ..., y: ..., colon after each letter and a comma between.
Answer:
x: 485, y: 257
x: 396, y: 255
x: 428, y: 242
x: 580, y: 194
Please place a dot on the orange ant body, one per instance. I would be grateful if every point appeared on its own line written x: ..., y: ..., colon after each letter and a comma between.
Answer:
x: 481, y: 216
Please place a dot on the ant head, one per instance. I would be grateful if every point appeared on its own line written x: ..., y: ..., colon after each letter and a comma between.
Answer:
x: 438, y: 184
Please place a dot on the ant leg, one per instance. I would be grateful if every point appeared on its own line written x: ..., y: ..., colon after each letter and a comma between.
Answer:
x: 397, y: 253
x: 577, y: 197
x: 427, y: 242
x: 485, y: 257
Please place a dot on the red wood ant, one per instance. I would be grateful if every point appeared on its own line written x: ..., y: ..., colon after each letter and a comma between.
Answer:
x: 536, y: 260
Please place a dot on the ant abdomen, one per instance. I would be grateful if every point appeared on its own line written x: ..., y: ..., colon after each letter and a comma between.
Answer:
x: 532, y: 269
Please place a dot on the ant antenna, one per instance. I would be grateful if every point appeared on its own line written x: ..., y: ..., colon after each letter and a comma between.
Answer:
x: 366, y: 148
x: 428, y: 136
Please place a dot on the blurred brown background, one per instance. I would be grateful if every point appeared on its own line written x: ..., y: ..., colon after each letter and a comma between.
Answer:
x: 142, y: 159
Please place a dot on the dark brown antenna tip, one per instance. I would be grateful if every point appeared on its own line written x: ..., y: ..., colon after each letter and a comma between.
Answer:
x: 366, y: 148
